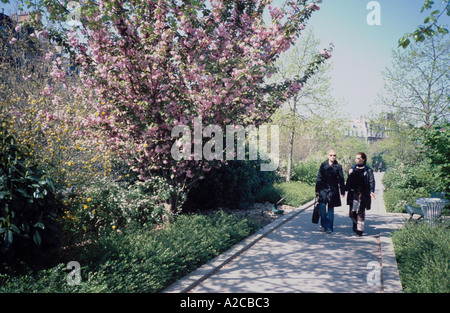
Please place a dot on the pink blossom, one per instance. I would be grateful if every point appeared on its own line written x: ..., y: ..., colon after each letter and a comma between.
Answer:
x: 311, y: 5
x: 161, y: 65
x: 326, y: 53
x: 44, y: 34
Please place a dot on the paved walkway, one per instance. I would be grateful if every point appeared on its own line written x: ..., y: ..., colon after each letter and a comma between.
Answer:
x: 293, y: 255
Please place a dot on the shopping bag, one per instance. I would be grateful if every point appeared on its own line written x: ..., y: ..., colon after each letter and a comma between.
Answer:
x: 316, y: 212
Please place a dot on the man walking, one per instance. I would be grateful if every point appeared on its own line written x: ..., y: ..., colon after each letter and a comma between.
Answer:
x: 329, y: 184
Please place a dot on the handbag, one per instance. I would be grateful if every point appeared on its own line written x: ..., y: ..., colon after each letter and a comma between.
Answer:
x: 316, y: 212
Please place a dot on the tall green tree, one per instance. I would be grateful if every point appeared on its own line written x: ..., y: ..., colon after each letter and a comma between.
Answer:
x: 435, y: 146
x: 400, y: 145
x: 417, y: 85
x: 300, y: 114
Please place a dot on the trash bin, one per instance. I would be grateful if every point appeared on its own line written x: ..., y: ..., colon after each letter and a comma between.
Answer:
x: 431, y: 208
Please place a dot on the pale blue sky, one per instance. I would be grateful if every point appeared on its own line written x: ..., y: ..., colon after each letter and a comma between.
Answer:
x: 362, y: 51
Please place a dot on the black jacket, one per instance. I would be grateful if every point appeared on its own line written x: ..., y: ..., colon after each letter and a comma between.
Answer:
x: 368, y: 186
x: 330, y: 183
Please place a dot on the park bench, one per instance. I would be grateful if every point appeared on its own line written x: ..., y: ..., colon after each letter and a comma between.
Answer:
x: 418, y: 210
x: 440, y: 195
x: 414, y: 210
x: 275, y: 208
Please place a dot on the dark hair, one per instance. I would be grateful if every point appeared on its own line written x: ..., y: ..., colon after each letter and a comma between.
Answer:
x: 363, y: 156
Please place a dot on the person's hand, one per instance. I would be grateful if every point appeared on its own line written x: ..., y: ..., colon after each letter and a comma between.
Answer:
x: 350, y: 171
x: 372, y: 195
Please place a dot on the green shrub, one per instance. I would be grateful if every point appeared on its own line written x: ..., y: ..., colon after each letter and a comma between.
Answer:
x: 140, y: 259
x: 423, y: 255
x: 28, y: 207
x: 306, y: 171
x: 435, y: 145
x: 233, y: 185
x: 269, y: 194
x: 296, y: 193
x: 104, y: 204
x: 417, y: 176
x: 405, y: 184
x: 395, y: 199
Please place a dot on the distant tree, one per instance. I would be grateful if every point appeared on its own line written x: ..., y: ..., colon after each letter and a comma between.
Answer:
x: 417, y: 84
x: 400, y: 143
x: 297, y: 113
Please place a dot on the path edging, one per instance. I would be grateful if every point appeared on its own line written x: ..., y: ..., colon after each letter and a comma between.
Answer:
x: 389, y: 267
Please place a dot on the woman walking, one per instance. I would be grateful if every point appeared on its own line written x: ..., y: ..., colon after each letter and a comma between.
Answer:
x: 329, y: 184
x: 361, y: 186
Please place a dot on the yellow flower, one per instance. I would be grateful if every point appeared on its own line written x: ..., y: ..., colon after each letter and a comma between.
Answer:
x: 85, y: 206
x: 114, y: 227
x: 88, y: 199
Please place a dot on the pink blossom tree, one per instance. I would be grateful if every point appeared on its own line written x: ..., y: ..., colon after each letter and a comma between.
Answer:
x: 148, y: 66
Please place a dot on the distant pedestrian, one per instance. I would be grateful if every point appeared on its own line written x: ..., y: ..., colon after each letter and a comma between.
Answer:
x: 360, y: 186
x: 330, y: 184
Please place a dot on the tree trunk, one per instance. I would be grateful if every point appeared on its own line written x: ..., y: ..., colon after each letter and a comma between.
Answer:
x: 291, y: 150
x: 171, y: 208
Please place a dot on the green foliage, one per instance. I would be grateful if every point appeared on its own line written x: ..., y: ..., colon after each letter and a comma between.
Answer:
x: 405, y: 184
x: 296, y: 193
x: 399, y: 147
x: 233, y: 185
x: 395, y: 199
x: 430, y: 27
x: 435, y: 144
x: 140, y: 259
x: 423, y: 255
x: 423, y: 169
x: 416, y: 176
x: 28, y: 207
x: 306, y: 171
x: 105, y: 204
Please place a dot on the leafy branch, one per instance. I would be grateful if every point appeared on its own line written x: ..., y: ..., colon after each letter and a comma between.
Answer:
x: 431, y: 27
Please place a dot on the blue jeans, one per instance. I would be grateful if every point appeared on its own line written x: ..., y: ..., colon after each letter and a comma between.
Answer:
x: 326, y: 218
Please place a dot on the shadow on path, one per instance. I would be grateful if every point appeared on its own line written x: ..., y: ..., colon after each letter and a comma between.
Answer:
x: 299, y: 257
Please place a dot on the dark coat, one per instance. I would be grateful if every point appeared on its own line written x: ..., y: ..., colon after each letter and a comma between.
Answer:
x: 368, y: 186
x: 330, y: 180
